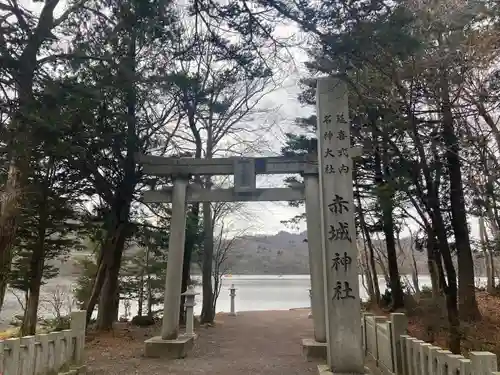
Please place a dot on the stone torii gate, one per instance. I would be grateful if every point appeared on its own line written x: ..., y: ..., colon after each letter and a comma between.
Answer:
x: 328, y: 194
x: 244, y: 171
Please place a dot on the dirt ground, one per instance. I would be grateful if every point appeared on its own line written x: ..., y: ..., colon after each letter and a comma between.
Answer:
x: 265, y: 342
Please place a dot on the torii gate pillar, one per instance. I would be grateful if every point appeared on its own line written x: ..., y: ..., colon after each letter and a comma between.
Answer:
x: 315, y: 347
x: 170, y: 344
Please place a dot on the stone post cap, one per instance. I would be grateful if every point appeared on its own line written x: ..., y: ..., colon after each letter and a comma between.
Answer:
x: 232, y: 291
x: 190, y: 294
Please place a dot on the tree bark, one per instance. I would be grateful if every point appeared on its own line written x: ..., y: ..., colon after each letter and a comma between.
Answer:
x: 97, y: 286
x: 148, y: 286
x: 113, y: 251
x: 207, y: 312
x: 468, y: 309
x: 432, y: 264
x: 37, y: 262
x: 371, y: 258
x: 189, y: 244
x: 385, y: 196
x: 36, y: 273
x: 490, y: 281
x: 367, y: 274
x: 190, y: 241
x: 140, y: 301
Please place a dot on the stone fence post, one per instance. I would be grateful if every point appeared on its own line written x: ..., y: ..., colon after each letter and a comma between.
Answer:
x: 483, y: 363
x: 399, y: 326
x: 232, y: 295
x: 190, y: 303
x: 12, y: 365
x: 77, y: 326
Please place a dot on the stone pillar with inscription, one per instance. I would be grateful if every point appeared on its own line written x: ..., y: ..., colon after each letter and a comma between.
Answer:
x: 340, y: 271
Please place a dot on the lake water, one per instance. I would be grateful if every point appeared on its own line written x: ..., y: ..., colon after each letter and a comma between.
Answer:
x: 271, y: 292
x: 254, y: 293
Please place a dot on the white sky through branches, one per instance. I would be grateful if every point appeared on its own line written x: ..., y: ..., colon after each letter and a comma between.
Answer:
x: 266, y: 217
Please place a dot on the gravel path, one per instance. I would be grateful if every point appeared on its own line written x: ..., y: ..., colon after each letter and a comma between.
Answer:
x: 260, y: 343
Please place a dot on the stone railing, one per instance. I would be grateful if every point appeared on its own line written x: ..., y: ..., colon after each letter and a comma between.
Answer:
x: 392, y: 352
x: 52, y: 353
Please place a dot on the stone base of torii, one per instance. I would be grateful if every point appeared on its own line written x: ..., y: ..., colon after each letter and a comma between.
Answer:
x: 328, y: 193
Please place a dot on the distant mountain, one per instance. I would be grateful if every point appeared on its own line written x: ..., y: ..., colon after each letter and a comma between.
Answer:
x: 286, y: 253
x: 282, y: 253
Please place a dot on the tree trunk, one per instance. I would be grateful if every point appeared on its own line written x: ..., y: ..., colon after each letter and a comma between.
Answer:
x: 4, y: 271
x: 491, y: 252
x: 97, y: 286
x: 190, y: 241
x: 490, y: 280
x: 106, y: 313
x: 432, y: 264
x: 8, y: 224
x: 496, y: 239
x: 31, y: 312
x: 140, y: 302
x: 369, y: 277
x: 36, y: 266
x: 414, y: 276
x: 215, y: 294
x: 431, y: 202
x: 466, y: 289
x: 189, y: 244
x: 120, y: 209
x: 383, y: 268
x: 11, y: 201
x: 112, y: 250
x: 454, y: 337
x: 385, y: 197
x: 148, y: 286
x: 392, y: 260
x: 207, y: 313
x: 116, y: 308
x: 450, y: 288
x: 371, y: 258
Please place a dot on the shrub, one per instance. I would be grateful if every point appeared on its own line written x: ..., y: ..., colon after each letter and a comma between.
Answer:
x: 425, y: 292
x: 56, y: 324
x: 143, y: 321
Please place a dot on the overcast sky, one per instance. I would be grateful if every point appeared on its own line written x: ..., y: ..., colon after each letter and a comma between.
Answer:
x: 266, y: 217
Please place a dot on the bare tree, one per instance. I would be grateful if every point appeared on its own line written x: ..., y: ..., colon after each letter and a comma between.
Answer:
x: 225, y: 243
x: 414, y: 268
x: 22, y: 300
x: 223, y: 258
x: 220, y: 103
x: 58, y: 302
